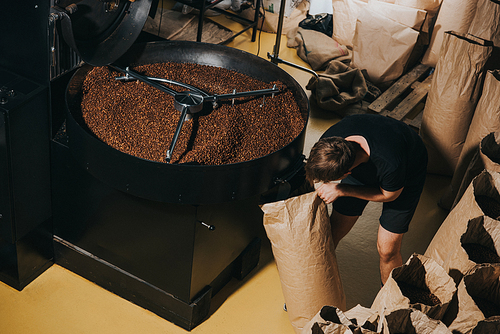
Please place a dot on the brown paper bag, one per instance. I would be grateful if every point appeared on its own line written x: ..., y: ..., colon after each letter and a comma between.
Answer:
x: 331, y: 320
x: 411, y: 17
x: 381, y: 46
x: 454, y: 93
x: 479, y: 244
x: 430, y: 6
x: 407, y: 284
x: 300, y: 234
x: 486, y: 119
x: 478, y: 296
x: 409, y: 320
x: 486, y: 157
x: 447, y: 238
x: 345, y: 14
x: 486, y: 22
x: 454, y: 15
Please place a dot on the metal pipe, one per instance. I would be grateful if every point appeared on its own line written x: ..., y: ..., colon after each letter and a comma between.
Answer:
x: 176, y: 134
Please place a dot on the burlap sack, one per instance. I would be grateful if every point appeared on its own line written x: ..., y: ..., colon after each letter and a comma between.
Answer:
x: 486, y: 22
x: 452, y: 98
x: 331, y: 320
x: 481, y: 232
x: 300, y: 234
x: 316, y: 48
x: 421, y: 273
x: 476, y: 293
x: 454, y: 15
x: 337, y: 87
x: 447, y: 238
x: 345, y: 14
x: 409, y: 320
x: 486, y: 119
x: 486, y: 157
x: 381, y: 46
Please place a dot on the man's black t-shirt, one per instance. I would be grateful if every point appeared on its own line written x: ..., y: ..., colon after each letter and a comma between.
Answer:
x: 398, y: 157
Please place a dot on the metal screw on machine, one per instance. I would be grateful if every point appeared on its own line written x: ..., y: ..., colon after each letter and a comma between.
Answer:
x: 210, y: 227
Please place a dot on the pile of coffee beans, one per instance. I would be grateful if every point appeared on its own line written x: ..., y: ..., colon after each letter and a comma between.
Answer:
x: 480, y: 254
x: 139, y: 120
x: 489, y: 206
x: 418, y: 295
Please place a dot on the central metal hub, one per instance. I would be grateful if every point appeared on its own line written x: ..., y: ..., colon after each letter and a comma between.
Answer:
x: 190, y: 100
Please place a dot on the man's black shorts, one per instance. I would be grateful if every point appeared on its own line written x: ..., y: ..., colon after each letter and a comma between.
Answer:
x: 396, y: 215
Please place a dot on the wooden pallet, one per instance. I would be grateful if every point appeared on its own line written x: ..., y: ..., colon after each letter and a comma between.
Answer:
x: 405, y: 99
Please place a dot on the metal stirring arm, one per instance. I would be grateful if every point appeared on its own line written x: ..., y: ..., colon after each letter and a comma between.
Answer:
x: 184, y: 113
x: 188, y: 102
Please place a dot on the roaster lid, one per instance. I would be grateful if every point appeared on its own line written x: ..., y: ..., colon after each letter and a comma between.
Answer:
x: 101, y: 31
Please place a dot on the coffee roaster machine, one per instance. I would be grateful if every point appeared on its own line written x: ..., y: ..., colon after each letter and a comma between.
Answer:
x: 166, y: 237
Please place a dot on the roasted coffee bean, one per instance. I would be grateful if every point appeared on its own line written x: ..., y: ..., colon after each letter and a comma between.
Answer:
x: 139, y: 120
x: 417, y: 295
x: 489, y: 206
x: 481, y: 254
x: 486, y: 306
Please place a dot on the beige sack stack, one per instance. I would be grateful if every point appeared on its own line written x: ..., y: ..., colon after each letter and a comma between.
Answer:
x: 421, y: 272
x: 454, y: 15
x: 481, y: 283
x: 447, y: 238
x: 486, y: 157
x: 454, y: 93
x: 483, y: 231
x: 384, y: 39
x: 301, y: 238
x: 486, y: 22
x: 486, y: 119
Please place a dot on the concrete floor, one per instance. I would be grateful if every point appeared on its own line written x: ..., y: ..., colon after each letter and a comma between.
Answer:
x: 59, y: 301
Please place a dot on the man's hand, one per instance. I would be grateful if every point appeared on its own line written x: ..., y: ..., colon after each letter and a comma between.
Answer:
x: 329, y: 192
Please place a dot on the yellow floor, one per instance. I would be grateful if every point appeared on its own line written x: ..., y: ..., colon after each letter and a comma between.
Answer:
x: 60, y: 301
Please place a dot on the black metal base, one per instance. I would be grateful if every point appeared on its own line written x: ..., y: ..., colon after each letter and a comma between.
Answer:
x: 27, y: 258
x: 146, y: 295
x: 167, y: 258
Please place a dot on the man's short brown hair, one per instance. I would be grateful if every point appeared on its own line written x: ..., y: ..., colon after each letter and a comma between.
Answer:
x: 330, y: 159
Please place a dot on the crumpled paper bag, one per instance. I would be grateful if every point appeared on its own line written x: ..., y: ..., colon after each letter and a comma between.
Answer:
x: 486, y: 119
x: 486, y: 22
x: 447, y: 237
x: 301, y: 239
x: 453, y: 15
x: 480, y: 284
x: 421, y: 272
x: 331, y: 320
x: 484, y: 231
x: 382, y: 46
x: 452, y: 98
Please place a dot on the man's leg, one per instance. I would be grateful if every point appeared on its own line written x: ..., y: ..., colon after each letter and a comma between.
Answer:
x: 341, y: 225
x: 389, y: 250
